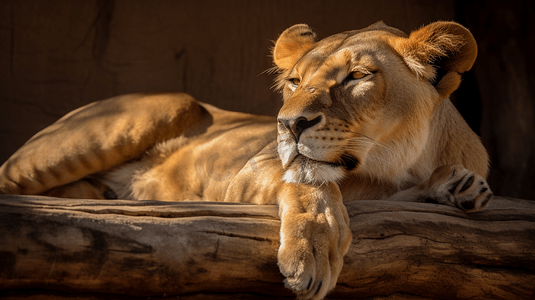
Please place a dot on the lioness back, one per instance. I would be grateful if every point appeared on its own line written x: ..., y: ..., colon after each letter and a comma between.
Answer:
x: 199, y: 163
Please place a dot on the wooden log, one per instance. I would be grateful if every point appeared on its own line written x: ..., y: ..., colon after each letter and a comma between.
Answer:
x: 219, y: 250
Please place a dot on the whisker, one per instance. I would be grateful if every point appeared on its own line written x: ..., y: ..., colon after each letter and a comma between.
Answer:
x: 270, y: 71
x: 362, y: 135
x: 364, y: 139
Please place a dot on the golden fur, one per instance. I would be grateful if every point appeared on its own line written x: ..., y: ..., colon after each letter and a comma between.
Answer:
x: 366, y: 115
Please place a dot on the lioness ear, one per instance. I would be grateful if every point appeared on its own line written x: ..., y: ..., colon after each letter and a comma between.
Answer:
x: 439, y: 52
x: 292, y: 44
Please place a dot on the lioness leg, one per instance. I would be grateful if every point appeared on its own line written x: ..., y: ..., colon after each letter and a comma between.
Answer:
x: 315, y: 236
x: 451, y: 185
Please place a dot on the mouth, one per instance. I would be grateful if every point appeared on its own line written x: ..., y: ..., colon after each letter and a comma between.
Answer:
x: 349, y: 162
x: 346, y: 161
x: 288, y: 153
x: 303, y: 169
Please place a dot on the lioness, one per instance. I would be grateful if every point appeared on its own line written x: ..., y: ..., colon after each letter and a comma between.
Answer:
x: 366, y: 115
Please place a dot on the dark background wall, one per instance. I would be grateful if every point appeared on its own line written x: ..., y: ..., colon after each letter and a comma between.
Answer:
x: 58, y: 55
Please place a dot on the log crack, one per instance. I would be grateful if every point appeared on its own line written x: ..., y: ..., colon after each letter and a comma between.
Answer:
x: 398, y: 235
x: 241, y: 236
x: 176, y: 215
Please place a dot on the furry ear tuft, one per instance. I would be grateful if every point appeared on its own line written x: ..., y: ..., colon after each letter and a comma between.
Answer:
x: 439, y: 48
x: 292, y: 44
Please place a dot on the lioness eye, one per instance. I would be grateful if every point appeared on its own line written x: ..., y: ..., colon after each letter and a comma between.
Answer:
x: 357, y: 75
x: 295, y: 81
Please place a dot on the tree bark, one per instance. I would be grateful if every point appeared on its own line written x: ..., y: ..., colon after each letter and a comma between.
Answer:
x: 209, y: 250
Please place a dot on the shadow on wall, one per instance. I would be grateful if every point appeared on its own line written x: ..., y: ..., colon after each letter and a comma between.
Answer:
x: 502, y: 83
x: 56, y: 56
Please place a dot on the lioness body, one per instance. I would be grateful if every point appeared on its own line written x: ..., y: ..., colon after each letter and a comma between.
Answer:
x: 366, y: 115
x: 201, y: 162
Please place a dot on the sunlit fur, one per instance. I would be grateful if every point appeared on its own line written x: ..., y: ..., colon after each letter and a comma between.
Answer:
x: 388, y: 131
x: 308, y: 171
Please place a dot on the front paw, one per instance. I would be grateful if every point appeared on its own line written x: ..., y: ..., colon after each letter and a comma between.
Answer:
x: 313, y: 244
x: 456, y: 186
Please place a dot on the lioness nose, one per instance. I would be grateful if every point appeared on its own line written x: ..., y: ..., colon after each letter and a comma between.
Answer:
x: 298, y: 125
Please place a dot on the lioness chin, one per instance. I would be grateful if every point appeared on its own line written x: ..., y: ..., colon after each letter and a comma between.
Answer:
x: 366, y: 115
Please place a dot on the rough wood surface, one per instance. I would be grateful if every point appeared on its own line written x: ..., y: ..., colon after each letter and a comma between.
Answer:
x: 205, y: 250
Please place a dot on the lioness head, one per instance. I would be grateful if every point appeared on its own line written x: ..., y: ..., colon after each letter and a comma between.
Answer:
x: 362, y: 101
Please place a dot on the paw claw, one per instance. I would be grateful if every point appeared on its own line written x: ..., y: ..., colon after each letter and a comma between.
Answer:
x: 486, y: 200
x: 468, y: 205
x: 309, y: 284
x: 468, y: 183
x: 319, y: 287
